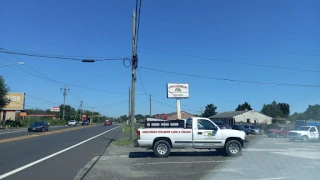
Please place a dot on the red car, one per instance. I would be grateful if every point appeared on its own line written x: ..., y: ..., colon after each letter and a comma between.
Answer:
x: 107, y: 123
x: 278, y: 132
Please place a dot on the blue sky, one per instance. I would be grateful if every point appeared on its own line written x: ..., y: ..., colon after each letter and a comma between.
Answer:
x: 272, y: 33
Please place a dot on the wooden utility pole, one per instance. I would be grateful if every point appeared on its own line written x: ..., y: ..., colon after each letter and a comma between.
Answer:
x: 129, y: 108
x: 80, y: 110
x: 150, y: 106
x: 134, y: 65
x: 65, y: 89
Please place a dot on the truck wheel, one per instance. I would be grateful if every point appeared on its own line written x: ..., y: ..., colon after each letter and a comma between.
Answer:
x: 162, y: 149
x: 305, y: 138
x: 233, y: 148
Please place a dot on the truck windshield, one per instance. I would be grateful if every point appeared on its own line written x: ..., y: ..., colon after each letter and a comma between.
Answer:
x: 303, y: 128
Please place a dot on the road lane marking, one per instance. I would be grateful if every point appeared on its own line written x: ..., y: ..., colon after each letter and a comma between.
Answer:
x: 276, y: 178
x: 41, y: 134
x: 52, y: 155
x: 181, y: 162
x: 14, y: 131
x: 25, y: 129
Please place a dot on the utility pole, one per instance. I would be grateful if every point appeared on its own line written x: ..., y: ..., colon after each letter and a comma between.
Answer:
x: 134, y: 65
x: 150, y: 105
x: 81, y: 110
x: 91, y: 119
x: 65, y: 89
x: 129, y: 109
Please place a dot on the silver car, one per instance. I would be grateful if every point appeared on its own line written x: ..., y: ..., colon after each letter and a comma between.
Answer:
x: 254, y: 130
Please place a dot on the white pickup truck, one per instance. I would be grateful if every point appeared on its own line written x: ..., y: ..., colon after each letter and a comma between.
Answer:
x: 304, y: 133
x: 195, y: 132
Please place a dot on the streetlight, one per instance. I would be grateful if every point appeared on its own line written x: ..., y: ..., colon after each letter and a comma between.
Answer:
x: 20, y: 63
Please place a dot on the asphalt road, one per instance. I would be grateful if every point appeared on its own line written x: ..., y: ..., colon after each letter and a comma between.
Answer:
x: 11, y: 133
x: 273, y: 159
x: 65, y: 165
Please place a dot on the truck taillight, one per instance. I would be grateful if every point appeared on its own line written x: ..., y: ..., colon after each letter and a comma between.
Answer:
x: 138, y: 134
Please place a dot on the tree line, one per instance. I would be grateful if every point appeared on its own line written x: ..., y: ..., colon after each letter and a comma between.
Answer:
x: 274, y: 109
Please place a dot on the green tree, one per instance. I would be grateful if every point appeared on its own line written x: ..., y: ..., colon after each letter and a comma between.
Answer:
x: 276, y: 110
x: 312, y: 112
x: 285, y: 109
x: 70, y: 112
x: 139, y: 117
x: 4, y: 89
x: 244, y: 106
x: 209, y: 111
x: 272, y: 110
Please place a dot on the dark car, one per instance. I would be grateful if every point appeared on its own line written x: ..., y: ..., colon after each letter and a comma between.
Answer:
x: 107, y: 123
x: 221, y: 124
x: 254, y: 130
x: 39, y: 126
x: 241, y: 128
x: 85, y: 122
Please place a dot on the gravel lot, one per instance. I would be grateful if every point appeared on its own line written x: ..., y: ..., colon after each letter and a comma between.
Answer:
x: 266, y: 159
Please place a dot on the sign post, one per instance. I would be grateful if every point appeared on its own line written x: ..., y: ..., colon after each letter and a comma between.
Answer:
x: 178, y: 91
x: 178, y: 109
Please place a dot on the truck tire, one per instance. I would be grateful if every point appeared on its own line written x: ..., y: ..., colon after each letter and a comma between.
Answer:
x: 233, y: 148
x: 305, y: 138
x: 162, y: 149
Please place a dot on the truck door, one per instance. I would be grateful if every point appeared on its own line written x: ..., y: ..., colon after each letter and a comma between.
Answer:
x: 314, y: 134
x: 207, y: 135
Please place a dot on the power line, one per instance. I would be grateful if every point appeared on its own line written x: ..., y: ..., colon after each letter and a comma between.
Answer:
x: 42, y: 76
x: 138, y: 10
x: 237, y: 62
x: 232, y: 80
x: 144, y: 90
x: 172, y: 106
x: 113, y: 104
x: 55, y: 57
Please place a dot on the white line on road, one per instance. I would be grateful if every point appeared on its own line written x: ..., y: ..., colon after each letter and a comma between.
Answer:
x: 276, y: 178
x: 25, y: 130
x: 13, y: 131
x: 182, y: 162
x: 52, y: 155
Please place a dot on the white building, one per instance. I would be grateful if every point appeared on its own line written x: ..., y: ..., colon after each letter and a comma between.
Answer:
x: 234, y: 117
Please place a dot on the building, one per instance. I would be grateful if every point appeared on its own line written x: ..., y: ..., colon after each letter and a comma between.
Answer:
x: 173, y: 116
x: 234, y: 117
x: 14, y: 107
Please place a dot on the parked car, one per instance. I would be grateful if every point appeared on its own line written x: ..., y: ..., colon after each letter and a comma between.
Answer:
x: 221, y: 124
x: 241, y: 128
x: 72, y: 123
x: 85, y: 122
x: 107, y: 123
x: 39, y: 126
x: 254, y: 130
x: 278, y: 132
